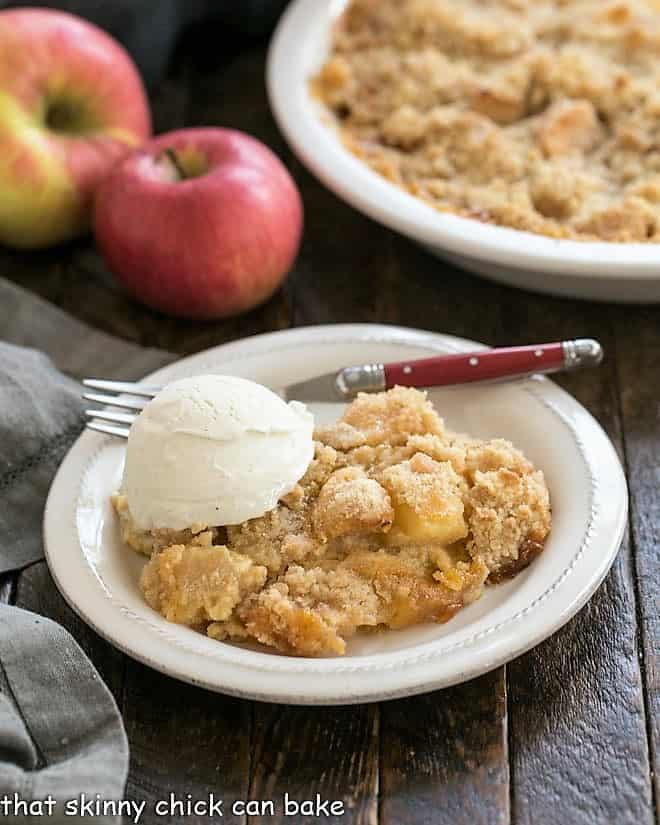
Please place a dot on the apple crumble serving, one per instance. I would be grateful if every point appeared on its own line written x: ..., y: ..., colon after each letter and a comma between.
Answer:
x: 542, y: 115
x: 396, y: 522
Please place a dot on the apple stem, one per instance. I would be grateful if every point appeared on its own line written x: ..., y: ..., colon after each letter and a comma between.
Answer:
x: 172, y: 156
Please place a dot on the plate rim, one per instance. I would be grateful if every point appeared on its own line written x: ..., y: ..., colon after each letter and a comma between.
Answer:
x: 353, y: 181
x: 63, y: 497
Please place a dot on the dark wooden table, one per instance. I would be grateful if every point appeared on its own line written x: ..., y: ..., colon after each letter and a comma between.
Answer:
x: 566, y: 734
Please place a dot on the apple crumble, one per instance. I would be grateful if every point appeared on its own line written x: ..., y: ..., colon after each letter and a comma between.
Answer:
x: 397, y: 521
x: 542, y: 115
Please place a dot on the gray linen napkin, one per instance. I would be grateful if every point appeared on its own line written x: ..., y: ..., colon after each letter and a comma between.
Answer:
x: 60, y: 730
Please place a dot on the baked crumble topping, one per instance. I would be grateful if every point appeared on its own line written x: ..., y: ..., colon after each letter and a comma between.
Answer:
x: 396, y: 522
x: 541, y: 115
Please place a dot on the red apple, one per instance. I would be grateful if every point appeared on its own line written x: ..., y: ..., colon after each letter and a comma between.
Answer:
x: 71, y: 104
x: 200, y: 223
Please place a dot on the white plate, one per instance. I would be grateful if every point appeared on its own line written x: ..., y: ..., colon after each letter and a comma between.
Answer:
x: 599, y: 271
x: 98, y: 576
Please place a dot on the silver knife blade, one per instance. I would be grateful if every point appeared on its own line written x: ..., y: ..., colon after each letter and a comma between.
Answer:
x: 338, y: 386
x: 323, y: 388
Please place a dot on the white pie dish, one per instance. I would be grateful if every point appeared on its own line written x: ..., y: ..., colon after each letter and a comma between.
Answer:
x: 594, y: 270
x: 98, y: 576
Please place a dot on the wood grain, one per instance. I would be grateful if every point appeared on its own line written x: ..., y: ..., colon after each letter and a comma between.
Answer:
x: 576, y: 704
x: 444, y: 756
x: 638, y: 364
x: 332, y: 752
x: 350, y: 269
x: 186, y: 741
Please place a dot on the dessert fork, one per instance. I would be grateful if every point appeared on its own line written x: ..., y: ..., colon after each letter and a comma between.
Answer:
x: 438, y: 371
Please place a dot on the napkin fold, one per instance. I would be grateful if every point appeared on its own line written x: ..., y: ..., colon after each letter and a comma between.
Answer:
x: 61, y: 733
x: 42, y: 411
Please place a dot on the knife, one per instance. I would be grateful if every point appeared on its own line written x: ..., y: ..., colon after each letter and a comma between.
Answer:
x: 444, y: 370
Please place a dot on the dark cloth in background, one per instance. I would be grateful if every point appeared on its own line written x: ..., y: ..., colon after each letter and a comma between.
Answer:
x: 149, y: 29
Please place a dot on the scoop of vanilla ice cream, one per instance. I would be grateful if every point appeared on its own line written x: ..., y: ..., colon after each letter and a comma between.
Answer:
x: 214, y: 450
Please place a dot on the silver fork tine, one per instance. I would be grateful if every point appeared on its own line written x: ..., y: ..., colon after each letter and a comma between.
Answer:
x: 122, y: 386
x: 108, y: 429
x: 114, y: 417
x: 115, y: 401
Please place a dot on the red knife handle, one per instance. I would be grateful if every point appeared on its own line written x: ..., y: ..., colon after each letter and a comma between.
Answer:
x: 505, y: 362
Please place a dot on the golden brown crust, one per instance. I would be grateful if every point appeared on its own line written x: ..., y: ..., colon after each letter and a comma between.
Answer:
x: 506, y: 510
x: 350, y: 502
x: 196, y: 584
x: 383, y: 418
x: 312, y: 611
x: 532, y: 114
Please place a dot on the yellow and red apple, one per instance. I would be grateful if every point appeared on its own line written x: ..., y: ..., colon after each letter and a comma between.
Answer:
x: 71, y: 105
x: 201, y: 223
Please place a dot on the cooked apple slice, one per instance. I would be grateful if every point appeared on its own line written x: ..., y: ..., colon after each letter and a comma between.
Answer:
x: 433, y: 528
x: 428, y: 506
